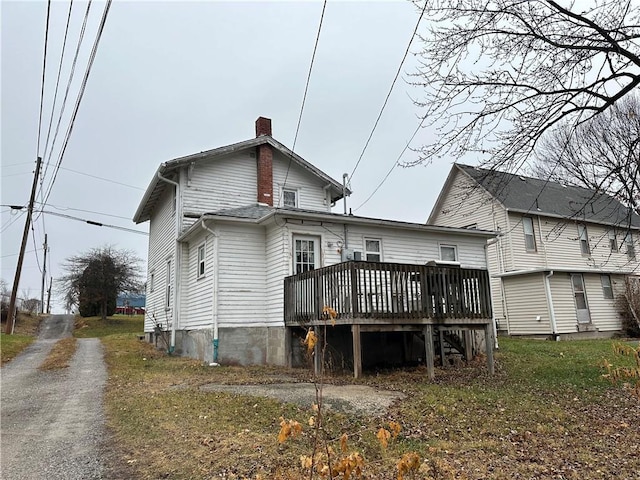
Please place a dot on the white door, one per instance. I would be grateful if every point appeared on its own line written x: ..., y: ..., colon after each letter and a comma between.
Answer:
x: 582, y: 307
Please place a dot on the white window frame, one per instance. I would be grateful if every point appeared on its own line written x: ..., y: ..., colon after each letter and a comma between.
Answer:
x: 152, y: 282
x: 448, y: 245
x: 368, y: 252
x: 201, y: 260
x: 613, y: 240
x: 167, y: 289
x: 528, y: 222
x: 607, y: 286
x: 631, y: 249
x: 295, y: 193
x: 583, y: 238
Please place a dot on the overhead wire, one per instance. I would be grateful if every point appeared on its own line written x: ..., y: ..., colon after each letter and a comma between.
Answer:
x: 304, y: 98
x: 393, y: 83
x: 79, y: 98
x: 44, y: 70
x: 101, y: 178
x: 93, y: 222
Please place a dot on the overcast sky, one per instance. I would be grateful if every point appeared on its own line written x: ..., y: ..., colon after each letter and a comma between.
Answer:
x: 176, y: 78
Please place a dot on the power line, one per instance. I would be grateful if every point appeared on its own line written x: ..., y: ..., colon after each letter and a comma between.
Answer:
x: 44, y: 69
x: 93, y: 222
x: 68, y: 87
x: 57, y: 207
x: 395, y: 164
x: 101, y: 178
x: 304, y: 99
x: 83, y: 86
x: 393, y: 83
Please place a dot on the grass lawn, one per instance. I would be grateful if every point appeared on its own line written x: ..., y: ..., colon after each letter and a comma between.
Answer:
x: 25, y: 330
x: 92, y: 327
x: 547, y: 413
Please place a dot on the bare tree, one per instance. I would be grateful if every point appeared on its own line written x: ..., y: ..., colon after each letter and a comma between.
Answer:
x: 602, y: 154
x: 98, y: 276
x: 30, y: 305
x: 498, y: 74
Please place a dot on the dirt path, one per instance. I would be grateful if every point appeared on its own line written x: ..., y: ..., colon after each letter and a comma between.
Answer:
x: 52, y: 423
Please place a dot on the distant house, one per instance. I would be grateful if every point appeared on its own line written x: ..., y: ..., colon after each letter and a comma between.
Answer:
x: 228, y: 225
x: 130, y: 304
x: 562, y: 254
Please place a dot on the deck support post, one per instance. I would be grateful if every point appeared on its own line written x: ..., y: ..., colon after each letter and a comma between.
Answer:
x: 441, y: 340
x: 468, y: 341
x: 428, y: 350
x: 488, y: 340
x: 357, y: 351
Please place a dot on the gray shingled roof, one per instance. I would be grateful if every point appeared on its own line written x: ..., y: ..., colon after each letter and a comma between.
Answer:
x: 252, y: 212
x: 526, y: 194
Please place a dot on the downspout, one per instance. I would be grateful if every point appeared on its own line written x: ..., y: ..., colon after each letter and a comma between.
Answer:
x: 493, y: 313
x: 178, y: 213
x: 214, y: 302
x: 552, y: 312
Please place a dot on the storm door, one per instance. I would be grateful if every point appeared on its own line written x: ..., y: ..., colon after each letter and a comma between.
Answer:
x: 582, y: 307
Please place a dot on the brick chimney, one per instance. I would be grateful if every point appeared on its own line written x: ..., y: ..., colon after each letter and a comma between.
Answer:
x: 265, y: 163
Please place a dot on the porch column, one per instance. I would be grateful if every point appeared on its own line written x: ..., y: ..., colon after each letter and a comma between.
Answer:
x: 488, y: 340
x: 357, y: 351
x: 428, y: 350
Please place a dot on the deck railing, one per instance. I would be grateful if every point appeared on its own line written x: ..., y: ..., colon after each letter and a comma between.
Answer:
x: 376, y: 290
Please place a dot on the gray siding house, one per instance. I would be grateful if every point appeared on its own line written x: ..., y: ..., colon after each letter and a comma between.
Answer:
x: 562, y: 254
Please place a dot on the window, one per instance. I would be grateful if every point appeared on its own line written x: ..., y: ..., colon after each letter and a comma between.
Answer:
x: 631, y: 250
x: 613, y: 241
x: 607, y: 290
x: 201, y: 258
x: 583, y: 237
x: 175, y: 200
x: 167, y: 301
x: 151, y: 281
x: 304, y: 255
x: 448, y: 253
x: 290, y: 197
x: 372, y: 250
x: 529, y: 235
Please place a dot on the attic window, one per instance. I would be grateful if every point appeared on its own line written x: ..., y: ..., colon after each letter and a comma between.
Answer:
x: 613, y: 241
x: 631, y: 250
x: 529, y: 235
x: 290, y: 197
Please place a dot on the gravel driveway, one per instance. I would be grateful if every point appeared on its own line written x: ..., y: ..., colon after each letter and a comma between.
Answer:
x: 52, y: 422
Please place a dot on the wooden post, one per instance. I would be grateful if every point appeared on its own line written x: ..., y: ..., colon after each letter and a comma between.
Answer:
x: 441, y: 339
x: 488, y: 340
x: 468, y: 350
x: 428, y: 350
x: 357, y: 351
x: 317, y: 352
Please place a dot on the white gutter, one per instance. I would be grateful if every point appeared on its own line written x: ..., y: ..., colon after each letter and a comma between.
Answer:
x: 214, y: 302
x: 177, y: 266
x: 552, y: 312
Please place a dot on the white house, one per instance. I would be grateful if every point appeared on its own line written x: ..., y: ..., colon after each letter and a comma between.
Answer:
x: 562, y: 253
x: 228, y: 225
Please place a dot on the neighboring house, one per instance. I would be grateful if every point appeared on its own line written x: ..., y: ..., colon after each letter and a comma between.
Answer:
x: 228, y: 225
x: 562, y: 254
x: 130, y: 304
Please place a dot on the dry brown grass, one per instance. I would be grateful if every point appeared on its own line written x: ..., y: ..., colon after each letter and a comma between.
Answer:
x: 60, y: 355
x: 546, y: 414
x: 25, y: 331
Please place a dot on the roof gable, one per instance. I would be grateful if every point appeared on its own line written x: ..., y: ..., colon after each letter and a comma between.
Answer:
x: 532, y: 195
x: 166, y: 169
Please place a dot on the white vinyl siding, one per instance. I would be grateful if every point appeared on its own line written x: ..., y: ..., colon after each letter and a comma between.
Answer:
x: 564, y: 303
x: 526, y: 301
x: 225, y: 182
x: 604, y: 314
x: 198, y: 291
x: 242, y: 276
x: 161, y: 247
x: 168, y: 285
x: 311, y: 194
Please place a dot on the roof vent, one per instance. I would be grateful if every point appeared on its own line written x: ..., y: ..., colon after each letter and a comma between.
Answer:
x: 522, y: 178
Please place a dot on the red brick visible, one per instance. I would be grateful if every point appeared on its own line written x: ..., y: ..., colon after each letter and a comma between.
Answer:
x: 265, y: 174
x: 263, y: 126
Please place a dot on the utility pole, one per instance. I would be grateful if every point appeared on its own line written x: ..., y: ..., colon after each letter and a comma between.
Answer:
x: 11, y: 318
x: 44, y: 274
x: 49, y: 296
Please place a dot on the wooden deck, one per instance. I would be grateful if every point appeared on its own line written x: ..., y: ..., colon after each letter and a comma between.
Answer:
x: 387, y: 297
